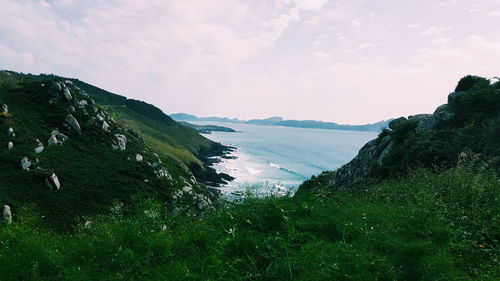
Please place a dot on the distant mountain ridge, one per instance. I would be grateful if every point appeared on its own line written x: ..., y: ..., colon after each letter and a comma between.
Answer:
x: 279, y: 121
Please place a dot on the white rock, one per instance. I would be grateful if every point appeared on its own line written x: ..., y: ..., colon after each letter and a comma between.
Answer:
x: 10, y: 132
x: 52, y: 182
x: 73, y: 123
x: 187, y: 189
x: 120, y: 142
x: 138, y: 157
x: 67, y: 94
x: 4, y: 108
x: 71, y: 109
x: 39, y: 146
x: 53, y: 141
x: 10, y: 145
x: 105, y: 126
x: 81, y: 104
x: 25, y: 164
x: 39, y: 149
x: 7, y: 214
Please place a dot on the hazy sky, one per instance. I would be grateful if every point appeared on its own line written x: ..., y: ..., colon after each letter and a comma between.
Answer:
x: 348, y: 61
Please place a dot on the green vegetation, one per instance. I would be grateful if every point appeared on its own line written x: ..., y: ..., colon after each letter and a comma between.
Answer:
x: 425, y: 226
x: 430, y: 212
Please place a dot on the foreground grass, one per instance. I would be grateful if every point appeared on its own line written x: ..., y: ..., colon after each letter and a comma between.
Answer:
x: 424, y: 227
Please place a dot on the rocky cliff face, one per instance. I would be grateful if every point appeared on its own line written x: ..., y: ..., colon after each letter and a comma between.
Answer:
x: 470, y: 121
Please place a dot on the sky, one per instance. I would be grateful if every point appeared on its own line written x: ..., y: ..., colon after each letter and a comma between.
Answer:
x: 345, y: 61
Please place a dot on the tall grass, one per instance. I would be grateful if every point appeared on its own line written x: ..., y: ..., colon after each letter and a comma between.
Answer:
x: 424, y: 227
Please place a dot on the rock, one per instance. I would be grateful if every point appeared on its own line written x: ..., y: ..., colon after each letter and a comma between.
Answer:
x: 120, y: 142
x: 442, y: 113
x: 53, y: 141
x: 7, y: 214
x: 394, y: 123
x: 52, y: 182
x: 94, y: 109
x: 67, y: 94
x: 385, y: 152
x: 70, y: 109
x: 39, y: 146
x: 424, y: 121
x: 59, y: 136
x: 73, y: 123
x: 105, y: 126
x: 134, y: 133
x: 453, y: 97
x: 4, y: 108
x: 203, y: 202
x: 187, y: 189
x: 92, y: 102
x: 138, y: 157
x: 193, y: 179
x: 10, y: 145
x: 56, y: 89
x: 160, y: 171
x: 83, y: 93
x: 81, y: 104
x: 68, y: 83
x: 10, y: 132
x: 25, y: 164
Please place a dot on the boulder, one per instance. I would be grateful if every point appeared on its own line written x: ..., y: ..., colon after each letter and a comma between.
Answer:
x: 453, y: 97
x: 120, y: 142
x: 160, y: 171
x: 56, y: 89
x: 67, y: 94
x: 68, y: 83
x: 10, y: 145
x: 105, y: 126
x: 424, y: 121
x: 187, y: 189
x: 70, y: 109
x: 60, y: 136
x: 7, y: 214
x: 443, y: 113
x: 138, y: 157
x: 53, y: 141
x: 39, y: 146
x: 396, y: 122
x: 73, y: 123
x: 81, y: 104
x: 10, y: 132
x: 25, y: 164
x: 4, y: 108
x: 52, y: 182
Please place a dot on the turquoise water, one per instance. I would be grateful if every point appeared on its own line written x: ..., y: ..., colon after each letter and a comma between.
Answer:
x: 281, y: 158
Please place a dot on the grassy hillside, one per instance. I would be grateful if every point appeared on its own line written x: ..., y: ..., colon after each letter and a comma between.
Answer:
x: 91, y: 173
x: 425, y: 226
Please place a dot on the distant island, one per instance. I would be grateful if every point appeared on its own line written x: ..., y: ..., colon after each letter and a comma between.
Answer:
x: 207, y: 129
x: 278, y: 121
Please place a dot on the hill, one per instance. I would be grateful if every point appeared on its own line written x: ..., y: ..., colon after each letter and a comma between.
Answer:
x: 67, y: 156
x: 278, y: 121
x: 467, y: 126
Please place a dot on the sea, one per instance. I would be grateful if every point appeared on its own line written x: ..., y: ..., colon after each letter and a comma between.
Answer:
x: 276, y: 160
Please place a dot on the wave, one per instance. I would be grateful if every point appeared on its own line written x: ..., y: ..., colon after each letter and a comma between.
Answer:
x: 287, y: 170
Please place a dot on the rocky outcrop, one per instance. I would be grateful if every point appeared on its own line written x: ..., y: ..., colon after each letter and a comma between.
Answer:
x: 120, y: 142
x: 39, y: 146
x: 373, y: 155
x: 10, y: 133
x: 73, y: 124
x: 25, y: 163
x: 7, y: 214
x: 52, y: 182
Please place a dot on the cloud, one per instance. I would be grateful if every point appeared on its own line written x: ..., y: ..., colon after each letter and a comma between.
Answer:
x: 258, y: 58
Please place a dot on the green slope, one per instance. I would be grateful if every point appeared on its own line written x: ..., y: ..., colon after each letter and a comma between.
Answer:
x: 92, y: 174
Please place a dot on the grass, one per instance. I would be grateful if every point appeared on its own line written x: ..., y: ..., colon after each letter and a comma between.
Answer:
x: 425, y: 226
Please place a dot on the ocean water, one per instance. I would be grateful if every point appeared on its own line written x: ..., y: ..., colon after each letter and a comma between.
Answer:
x: 279, y: 159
